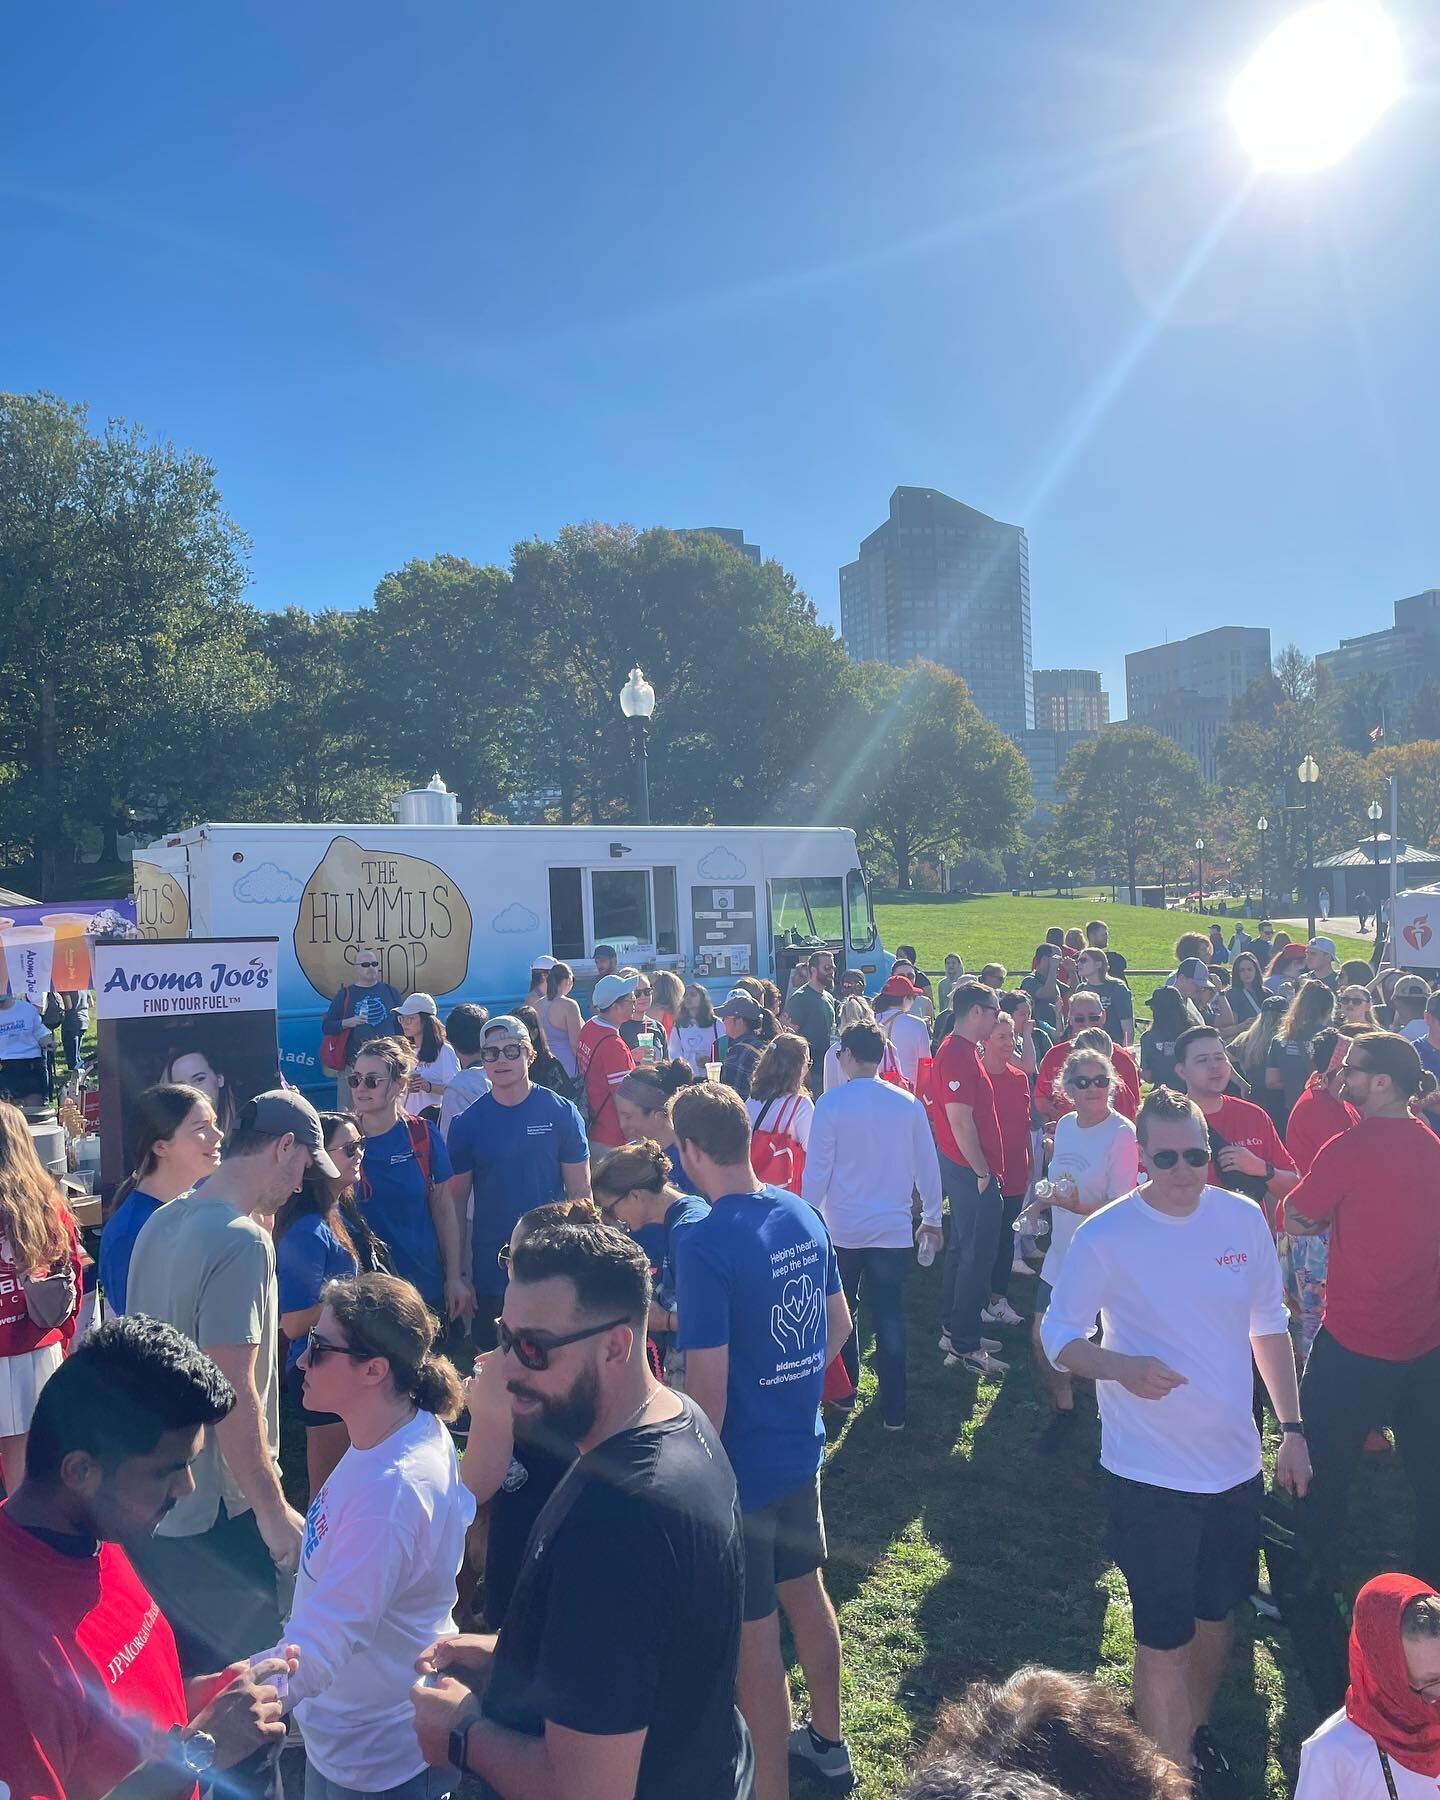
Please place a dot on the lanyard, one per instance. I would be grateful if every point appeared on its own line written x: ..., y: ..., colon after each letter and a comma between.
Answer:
x: 1389, y: 1778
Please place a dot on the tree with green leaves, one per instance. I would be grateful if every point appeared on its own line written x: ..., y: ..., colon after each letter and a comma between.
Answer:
x: 1127, y: 796
x: 925, y: 773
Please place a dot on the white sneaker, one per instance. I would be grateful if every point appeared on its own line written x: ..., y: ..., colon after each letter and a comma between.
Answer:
x: 980, y: 1362
x: 1001, y: 1313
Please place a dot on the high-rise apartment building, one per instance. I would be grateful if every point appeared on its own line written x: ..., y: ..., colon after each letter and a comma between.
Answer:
x: 727, y: 534
x: 1217, y: 665
x: 942, y: 581
x: 1403, y: 655
x: 1070, y: 700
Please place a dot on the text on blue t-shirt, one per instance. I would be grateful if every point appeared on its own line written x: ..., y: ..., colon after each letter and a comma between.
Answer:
x: 513, y: 1155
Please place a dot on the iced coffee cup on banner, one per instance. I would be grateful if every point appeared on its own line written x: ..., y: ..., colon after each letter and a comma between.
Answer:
x: 29, y: 955
x: 71, y: 968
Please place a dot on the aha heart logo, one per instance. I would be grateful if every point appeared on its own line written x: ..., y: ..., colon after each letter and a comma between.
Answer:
x: 1417, y: 934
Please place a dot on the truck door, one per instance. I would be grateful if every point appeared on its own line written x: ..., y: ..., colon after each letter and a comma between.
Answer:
x: 811, y: 907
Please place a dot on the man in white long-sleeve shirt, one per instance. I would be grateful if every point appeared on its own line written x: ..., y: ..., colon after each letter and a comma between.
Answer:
x: 1187, y: 1284
x: 870, y: 1150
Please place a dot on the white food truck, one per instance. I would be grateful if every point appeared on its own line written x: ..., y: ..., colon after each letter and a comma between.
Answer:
x: 460, y: 911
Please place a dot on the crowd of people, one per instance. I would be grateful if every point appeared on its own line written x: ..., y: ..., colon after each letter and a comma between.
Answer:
x: 647, y: 1227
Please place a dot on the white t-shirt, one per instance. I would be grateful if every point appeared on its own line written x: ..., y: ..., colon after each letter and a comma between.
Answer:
x: 1191, y: 1292
x: 870, y: 1148
x: 911, y: 1039
x: 442, y: 1072
x: 792, y: 1111
x: 1104, y: 1162
x: 383, y: 1542
x: 465, y: 1088
x: 22, y: 1033
x: 1339, y: 1761
x: 696, y: 1044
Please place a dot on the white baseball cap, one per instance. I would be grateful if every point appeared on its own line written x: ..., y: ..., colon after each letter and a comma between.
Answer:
x: 419, y: 1003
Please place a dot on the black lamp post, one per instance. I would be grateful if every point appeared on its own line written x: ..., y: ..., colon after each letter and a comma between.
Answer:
x: 1375, y: 812
x: 1070, y: 883
x: 1262, y: 825
x: 637, y: 702
x: 1200, y: 872
x: 1308, y: 774
x: 1032, y: 884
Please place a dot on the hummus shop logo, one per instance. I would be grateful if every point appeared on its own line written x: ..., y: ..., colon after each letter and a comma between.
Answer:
x: 1417, y: 934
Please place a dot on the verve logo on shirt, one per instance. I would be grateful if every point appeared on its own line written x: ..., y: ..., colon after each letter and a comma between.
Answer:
x: 1232, y: 1259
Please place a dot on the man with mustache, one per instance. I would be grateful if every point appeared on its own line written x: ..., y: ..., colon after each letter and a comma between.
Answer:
x: 91, y: 1694
x: 613, y: 1675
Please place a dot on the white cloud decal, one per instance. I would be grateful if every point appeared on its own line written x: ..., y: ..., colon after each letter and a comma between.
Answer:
x: 721, y: 864
x: 515, y: 918
x: 267, y: 885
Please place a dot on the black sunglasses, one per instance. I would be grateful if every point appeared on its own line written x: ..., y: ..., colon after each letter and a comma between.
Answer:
x: 1167, y: 1159
x: 512, y: 1052
x: 1088, y: 1081
x: 369, y: 1081
x: 316, y: 1347
x: 531, y: 1349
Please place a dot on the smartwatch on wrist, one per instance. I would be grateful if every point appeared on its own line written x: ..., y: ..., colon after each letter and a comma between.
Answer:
x: 197, y: 1751
x: 1292, y: 1427
x: 468, y: 1715
x: 1269, y: 1172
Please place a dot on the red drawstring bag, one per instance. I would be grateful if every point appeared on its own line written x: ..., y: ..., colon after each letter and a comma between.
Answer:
x: 838, y: 1385
x: 776, y: 1154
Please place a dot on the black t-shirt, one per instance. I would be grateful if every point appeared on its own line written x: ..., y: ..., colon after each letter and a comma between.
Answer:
x: 533, y: 1475
x: 626, y: 1614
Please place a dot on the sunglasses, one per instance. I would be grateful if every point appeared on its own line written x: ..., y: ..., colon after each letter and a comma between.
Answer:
x: 1088, y: 1081
x: 369, y: 965
x: 369, y: 1081
x: 493, y: 1052
x: 316, y: 1347
x: 532, y: 1349
x: 356, y: 1150
x: 1167, y: 1159
x: 1087, y: 1018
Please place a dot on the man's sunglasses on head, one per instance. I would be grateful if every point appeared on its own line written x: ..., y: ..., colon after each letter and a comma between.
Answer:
x: 532, y: 1349
x: 1167, y: 1159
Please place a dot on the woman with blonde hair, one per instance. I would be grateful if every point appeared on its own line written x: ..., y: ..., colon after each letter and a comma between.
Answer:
x: 384, y: 1537
x: 402, y: 1188
x: 667, y: 991
x: 855, y: 1009
x: 39, y: 1285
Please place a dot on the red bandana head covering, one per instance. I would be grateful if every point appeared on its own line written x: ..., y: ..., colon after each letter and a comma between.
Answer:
x: 1380, y: 1700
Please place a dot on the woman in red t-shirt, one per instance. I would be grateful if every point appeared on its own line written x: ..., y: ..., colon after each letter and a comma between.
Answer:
x: 1012, y: 1109
x: 37, y: 1239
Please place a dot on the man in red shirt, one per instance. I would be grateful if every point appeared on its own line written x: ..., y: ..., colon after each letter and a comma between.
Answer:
x: 967, y: 1135
x: 603, y: 1057
x: 1377, y: 1354
x: 1086, y: 1012
x: 1246, y: 1154
x: 90, y: 1687
x: 1012, y: 1108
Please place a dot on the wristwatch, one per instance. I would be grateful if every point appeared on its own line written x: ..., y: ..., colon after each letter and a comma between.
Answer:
x: 1292, y: 1427
x: 197, y: 1751
x: 468, y: 1715
x: 1269, y: 1172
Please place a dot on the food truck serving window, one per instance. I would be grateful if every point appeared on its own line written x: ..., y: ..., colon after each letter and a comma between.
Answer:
x: 809, y: 905
x: 618, y: 906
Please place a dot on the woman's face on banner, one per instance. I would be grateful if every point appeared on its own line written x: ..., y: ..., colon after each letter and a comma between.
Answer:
x: 194, y: 1069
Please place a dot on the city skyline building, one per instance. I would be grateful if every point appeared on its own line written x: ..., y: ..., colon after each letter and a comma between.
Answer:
x: 943, y: 581
x: 727, y: 534
x: 1070, y: 700
x: 1217, y: 665
x: 1402, y: 655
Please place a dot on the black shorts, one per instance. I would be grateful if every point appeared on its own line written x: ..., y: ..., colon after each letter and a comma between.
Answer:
x: 22, y: 1076
x: 1184, y: 1556
x: 783, y: 1541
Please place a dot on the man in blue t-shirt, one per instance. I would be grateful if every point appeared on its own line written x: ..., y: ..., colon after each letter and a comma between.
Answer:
x: 757, y: 1288
x: 516, y: 1147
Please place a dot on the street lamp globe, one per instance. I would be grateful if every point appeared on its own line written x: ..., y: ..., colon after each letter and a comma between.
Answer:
x: 1308, y: 772
x: 1262, y: 823
x: 1199, y: 843
x: 637, y: 697
x: 1375, y: 812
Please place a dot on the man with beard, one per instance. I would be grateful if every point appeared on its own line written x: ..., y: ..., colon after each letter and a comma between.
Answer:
x: 614, y: 1673
x: 91, y: 1694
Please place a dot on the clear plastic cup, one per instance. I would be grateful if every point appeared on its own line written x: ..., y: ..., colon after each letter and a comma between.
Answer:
x: 712, y: 1071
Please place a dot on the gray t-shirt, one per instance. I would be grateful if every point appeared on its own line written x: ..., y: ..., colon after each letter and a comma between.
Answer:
x: 210, y: 1271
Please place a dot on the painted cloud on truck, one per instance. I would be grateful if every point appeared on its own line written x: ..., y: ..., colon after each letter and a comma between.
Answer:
x: 267, y: 885
x: 721, y: 864
x: 515, y: 918
x: 410, y: 910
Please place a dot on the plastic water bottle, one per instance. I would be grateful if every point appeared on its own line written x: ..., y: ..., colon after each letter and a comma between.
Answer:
x: 925, y: 1255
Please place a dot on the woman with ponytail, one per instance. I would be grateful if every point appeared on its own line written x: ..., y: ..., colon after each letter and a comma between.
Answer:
x: 383, y: 1537
x: 179, y: 1146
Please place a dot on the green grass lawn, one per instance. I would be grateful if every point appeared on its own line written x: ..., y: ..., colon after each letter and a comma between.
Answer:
x: 1003, y: 928
x: 958, y: 1553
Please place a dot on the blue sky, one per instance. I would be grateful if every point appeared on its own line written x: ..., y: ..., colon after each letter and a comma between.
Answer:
x: 443, y: 277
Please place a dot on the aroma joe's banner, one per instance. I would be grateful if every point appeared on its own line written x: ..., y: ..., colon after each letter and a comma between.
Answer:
x: 49, y: 945
x: 196, y: 1010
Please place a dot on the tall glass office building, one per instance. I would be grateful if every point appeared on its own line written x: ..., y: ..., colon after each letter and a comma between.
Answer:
x: 942, y: 581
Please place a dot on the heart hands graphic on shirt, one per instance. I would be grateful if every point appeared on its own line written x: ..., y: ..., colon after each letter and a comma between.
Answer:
x: 796, y: 1323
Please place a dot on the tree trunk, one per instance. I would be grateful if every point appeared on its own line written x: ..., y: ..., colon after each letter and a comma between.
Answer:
x: 900, y: 846
x: 49, y: 837
x: 1130, y: 867
x: 109, y: 840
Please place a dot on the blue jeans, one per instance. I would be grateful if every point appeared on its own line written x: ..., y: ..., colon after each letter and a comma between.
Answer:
x: 429, y: 1784
x: 975, y: 1215
x: 884, y: 1273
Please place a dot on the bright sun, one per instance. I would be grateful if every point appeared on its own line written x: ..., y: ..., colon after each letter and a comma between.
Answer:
x: 1317, y: 85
